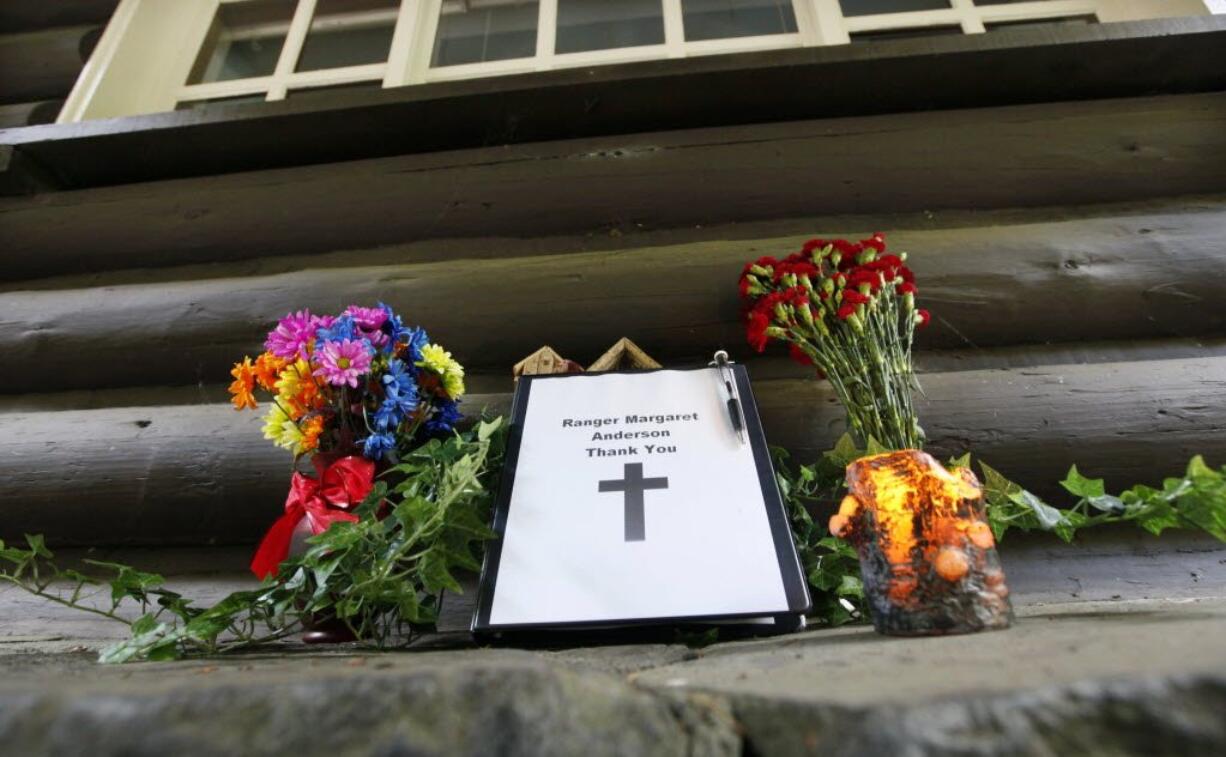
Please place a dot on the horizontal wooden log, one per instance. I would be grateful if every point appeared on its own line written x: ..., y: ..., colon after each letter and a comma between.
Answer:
x: 44, y: 65
x: 1066, y: 153
x: 764, y: 367
x: 28, y: 114
x: 30, y: 15
x: 203, y: 474
x: 1151, y: 274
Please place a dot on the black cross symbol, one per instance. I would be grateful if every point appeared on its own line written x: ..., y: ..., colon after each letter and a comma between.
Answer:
x: 634, y: 485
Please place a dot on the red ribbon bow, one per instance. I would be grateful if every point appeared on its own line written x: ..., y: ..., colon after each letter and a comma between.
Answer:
x: 341, y: 486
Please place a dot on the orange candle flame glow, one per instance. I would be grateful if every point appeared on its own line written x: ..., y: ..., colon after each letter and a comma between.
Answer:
x: 925, y: 546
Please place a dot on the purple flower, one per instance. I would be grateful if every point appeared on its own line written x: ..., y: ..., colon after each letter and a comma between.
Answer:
x: 343, y: 362
x: 293, y: 333
x: 367, y: 319
x: 369, y: 323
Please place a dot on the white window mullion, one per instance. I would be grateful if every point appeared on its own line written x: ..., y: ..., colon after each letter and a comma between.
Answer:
x: 546, y: 33
x: 969, y: 17
x: 408, y: 19
x: 295, y: 37
x: 806, y: 22
x: 828, y: 17
x: 422, y: 45
x: 674, y: 29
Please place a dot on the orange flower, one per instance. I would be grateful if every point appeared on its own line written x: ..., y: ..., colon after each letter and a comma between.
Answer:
x: 311, y: 429
x: 267, y: 367
x: 243, y: 384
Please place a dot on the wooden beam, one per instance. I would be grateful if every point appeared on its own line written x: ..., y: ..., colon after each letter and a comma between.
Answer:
x: 1150, y: 274
x: 44, y: 65
x: 202, y: 474
x: 957, y: 71
x: 921, y: 163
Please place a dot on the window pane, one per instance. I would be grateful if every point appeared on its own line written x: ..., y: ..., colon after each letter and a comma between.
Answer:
x: 483, y: 30
x: 721, y: 19
x: 912, y: 33
x: 870, y: 7
x: 601, y: 25
x: 331, y: 91
x: 1048, y: 22
x: 349, y: 33
x: 234, y: 100
x: 244, y: 41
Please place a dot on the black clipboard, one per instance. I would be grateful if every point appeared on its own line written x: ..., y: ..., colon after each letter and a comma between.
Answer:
x: 787, y: 619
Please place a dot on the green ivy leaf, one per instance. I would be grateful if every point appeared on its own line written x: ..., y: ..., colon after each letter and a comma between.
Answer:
x: 851, y: 586
x: 845, y: 452
x: 1080, y: 486
x: 960, y: 462
x: 875, y: 447
x: 434, y: 573
x: 38, y: 546
x: 1204, y: 502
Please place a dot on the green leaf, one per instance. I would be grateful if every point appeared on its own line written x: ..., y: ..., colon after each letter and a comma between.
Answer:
x: 875, y: 447
x: 38, y: 546
x: 1155, y: 515
x: 994, y: 484
x: 850, y: 586
x: 1204, y: 502
x: 487, y: 429
x: 434, y: 574
x: 845, y: 452
x: 1080, y: 486
x: 144, y: 624
x: 960, y: 462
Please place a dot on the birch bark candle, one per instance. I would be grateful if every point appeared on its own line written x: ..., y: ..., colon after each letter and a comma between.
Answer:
x: 927, y: 555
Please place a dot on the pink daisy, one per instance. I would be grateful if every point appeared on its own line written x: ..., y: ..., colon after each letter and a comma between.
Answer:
x: 292, y: 335
x: 367, y: 319
x: 343, y: 362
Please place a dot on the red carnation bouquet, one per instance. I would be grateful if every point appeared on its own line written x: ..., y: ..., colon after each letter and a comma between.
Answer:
x: 847, y: 308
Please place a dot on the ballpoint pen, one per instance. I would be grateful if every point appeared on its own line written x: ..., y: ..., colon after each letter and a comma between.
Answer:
x: 723, y: 367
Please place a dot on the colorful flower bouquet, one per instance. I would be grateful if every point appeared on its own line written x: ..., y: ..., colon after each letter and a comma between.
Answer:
x: 356, y: 391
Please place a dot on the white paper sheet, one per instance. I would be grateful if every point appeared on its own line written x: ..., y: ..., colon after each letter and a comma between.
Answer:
x: 706, y: 546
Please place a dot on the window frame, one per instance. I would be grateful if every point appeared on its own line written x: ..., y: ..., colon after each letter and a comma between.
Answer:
x: 818, y: 22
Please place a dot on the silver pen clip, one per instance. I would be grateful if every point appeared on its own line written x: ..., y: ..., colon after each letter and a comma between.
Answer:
x: 723, y: 368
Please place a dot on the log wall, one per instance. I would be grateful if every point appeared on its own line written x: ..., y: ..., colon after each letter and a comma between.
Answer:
x: 43, y: 47
x: 1076, y: 283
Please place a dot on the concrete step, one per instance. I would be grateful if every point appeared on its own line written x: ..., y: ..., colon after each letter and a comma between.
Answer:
x: 1118, y: 648
x: 1126, y: 677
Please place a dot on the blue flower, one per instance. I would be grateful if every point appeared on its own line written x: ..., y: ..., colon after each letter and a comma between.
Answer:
x: 417, y: 339
x: 398, y: 381
x: 445, y: 417
x: 341, y: 329
x: 378, y: 445
x: 388, y: 416
x: 393, y: 327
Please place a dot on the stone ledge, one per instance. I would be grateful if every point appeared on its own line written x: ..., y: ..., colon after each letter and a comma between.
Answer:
x: 1130, y: 677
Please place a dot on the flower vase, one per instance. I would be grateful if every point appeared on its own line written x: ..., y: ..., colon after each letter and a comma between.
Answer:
x: 927, y: 555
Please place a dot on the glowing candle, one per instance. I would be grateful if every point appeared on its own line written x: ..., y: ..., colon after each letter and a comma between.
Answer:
x: 927, y: 554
